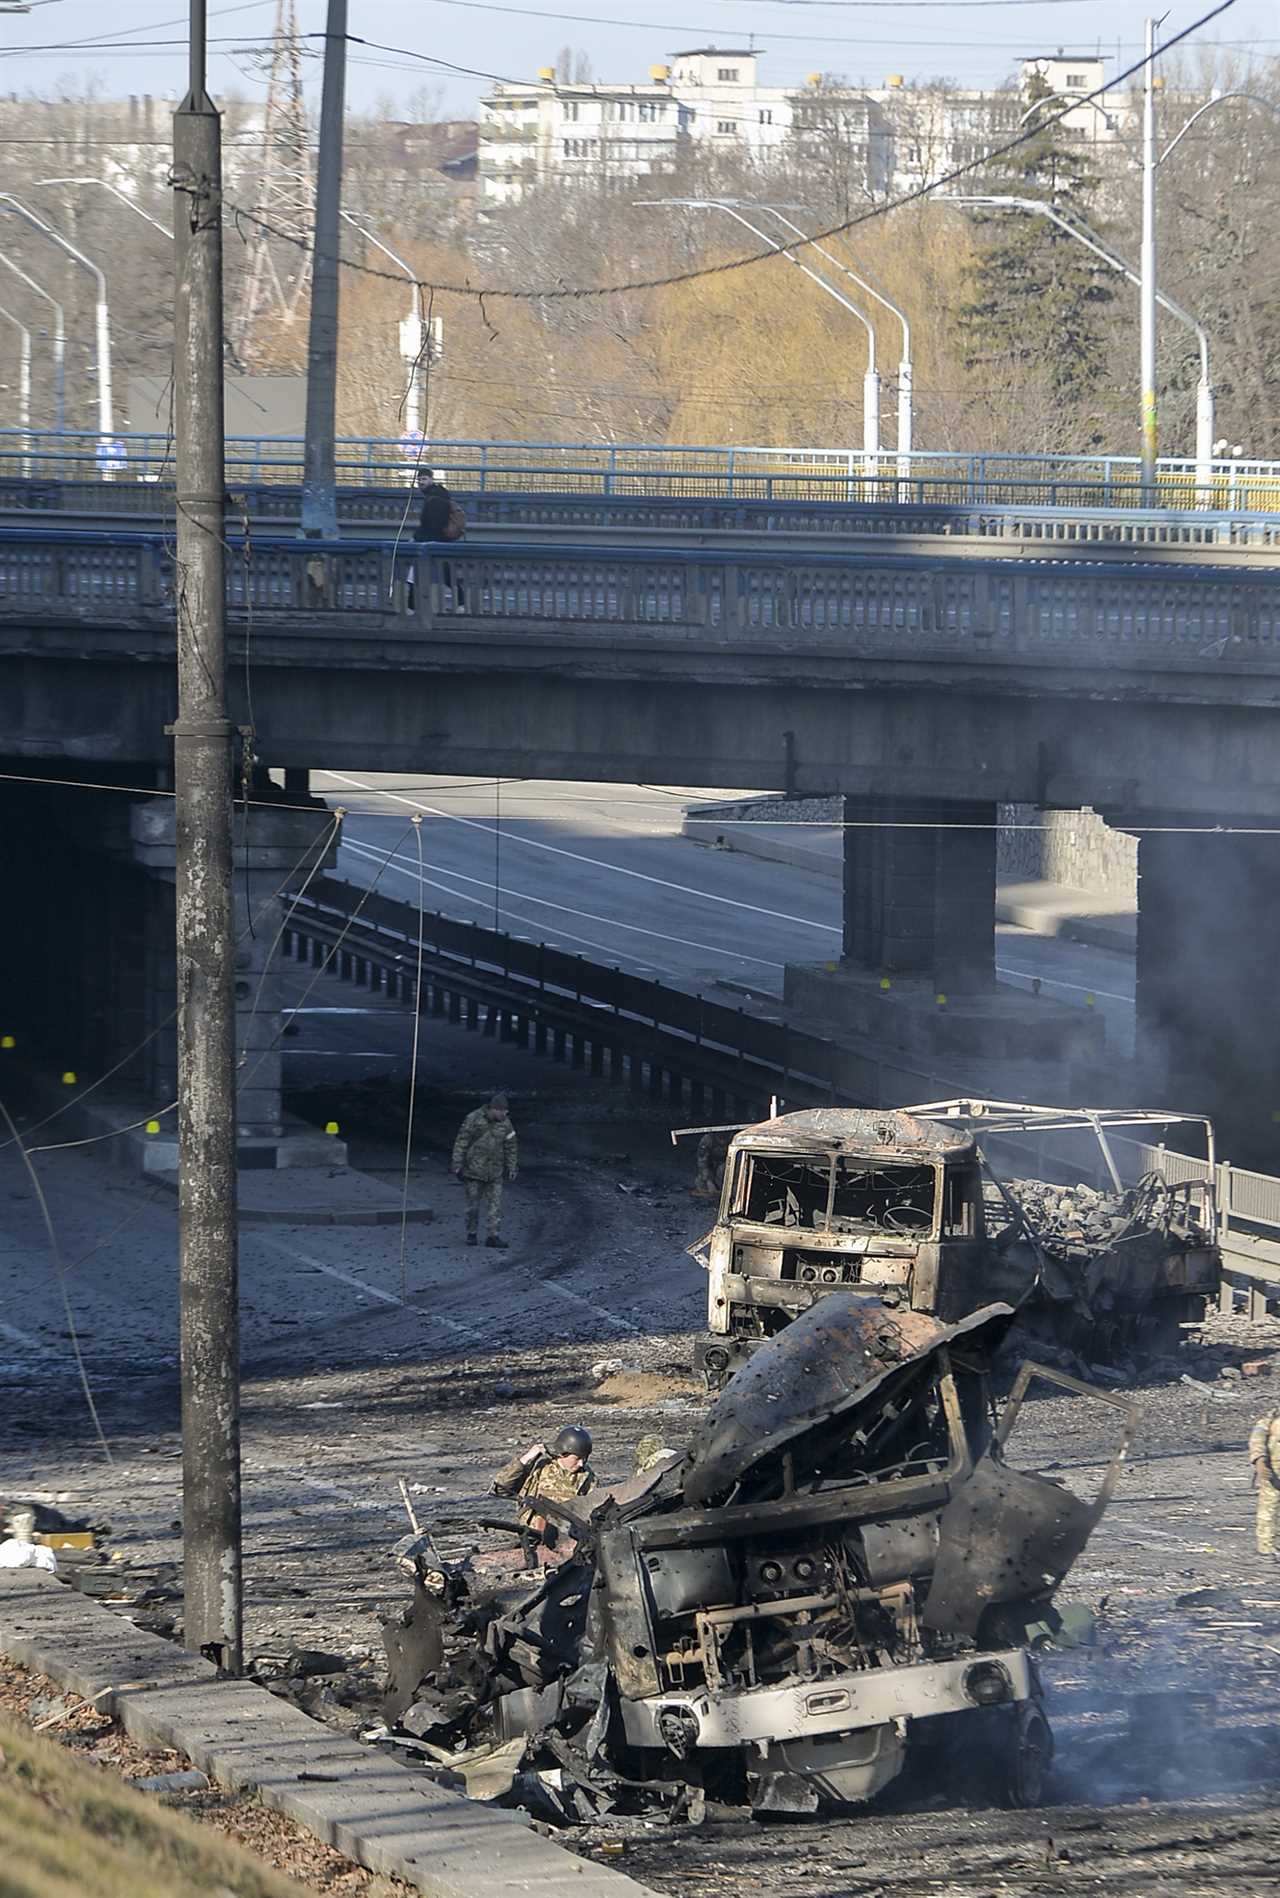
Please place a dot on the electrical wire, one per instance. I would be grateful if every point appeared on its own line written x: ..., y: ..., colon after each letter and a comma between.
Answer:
x: 560, y: 293
x: 413, y: 1080
x: 60, y: 1272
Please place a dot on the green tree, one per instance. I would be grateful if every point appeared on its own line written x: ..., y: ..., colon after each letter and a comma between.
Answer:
x: 1036, y: 297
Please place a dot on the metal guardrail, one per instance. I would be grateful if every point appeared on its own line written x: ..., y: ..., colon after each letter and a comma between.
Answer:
x: 707, y: 471
x: 1138, y: 616
x: 1081, y: 527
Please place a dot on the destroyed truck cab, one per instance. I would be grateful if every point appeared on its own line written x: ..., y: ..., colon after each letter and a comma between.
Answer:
x: 905, y: 1205
x: 841, y: 1574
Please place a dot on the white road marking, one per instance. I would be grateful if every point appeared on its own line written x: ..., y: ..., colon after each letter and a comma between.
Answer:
x: 24, y: 1338
x: 393, y: 861
x: 562, y: 1291
x: 1080, y: 988
x: 331, y: 1271
x: 597, y: 863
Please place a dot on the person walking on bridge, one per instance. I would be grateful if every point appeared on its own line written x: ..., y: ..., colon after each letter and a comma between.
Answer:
x: 485, y: 1158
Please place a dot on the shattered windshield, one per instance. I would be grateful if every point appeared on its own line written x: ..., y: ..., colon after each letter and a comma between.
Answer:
x: 838, y: 1193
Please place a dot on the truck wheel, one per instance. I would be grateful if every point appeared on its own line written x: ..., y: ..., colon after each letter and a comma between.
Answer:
x: 1030, y: 1755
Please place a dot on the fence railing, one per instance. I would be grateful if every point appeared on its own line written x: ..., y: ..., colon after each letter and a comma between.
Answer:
x: 390, y: 509
x: 1107, y: 481
x: 1136, y: 616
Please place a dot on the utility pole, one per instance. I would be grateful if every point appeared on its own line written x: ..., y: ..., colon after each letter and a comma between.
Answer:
x: 319, y: 498
x: 209, y: 1353
x: 1147, y: 274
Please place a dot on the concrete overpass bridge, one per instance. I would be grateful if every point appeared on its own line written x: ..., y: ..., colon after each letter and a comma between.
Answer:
x: 925, y: 677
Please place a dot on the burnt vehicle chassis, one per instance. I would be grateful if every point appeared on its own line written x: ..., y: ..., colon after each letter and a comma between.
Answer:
x: 906, y: 1205
x: 840, y: 1572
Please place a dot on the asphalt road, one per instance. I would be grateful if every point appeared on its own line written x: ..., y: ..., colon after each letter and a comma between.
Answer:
x: 604, y: 871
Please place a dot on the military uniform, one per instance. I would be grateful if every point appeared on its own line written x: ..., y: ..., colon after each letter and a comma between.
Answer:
x: 485, y: 1155
x: 1264, y: 1454
x: 545, y: 1477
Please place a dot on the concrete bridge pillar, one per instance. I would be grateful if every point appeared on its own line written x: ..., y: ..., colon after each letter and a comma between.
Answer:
x: 920, y: 890
x: 917, y: 973
x: 1208, y: 990
x: 276, y: 849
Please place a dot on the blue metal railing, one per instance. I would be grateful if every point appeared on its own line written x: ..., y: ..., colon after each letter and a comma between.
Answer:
x: 681, y: 469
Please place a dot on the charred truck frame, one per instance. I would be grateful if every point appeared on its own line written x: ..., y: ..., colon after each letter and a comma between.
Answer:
x: 842, y: 1571
x: 908, y: 1207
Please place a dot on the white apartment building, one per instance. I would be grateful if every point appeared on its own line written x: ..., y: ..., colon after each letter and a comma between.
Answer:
x: 587, y: 129
x: 892, y: 137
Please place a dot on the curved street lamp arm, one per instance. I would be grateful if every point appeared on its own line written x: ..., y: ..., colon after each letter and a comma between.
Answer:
x: 1254, y: 98
x: 840, y: 265
x: 1093, y: 242
x: 1066, y: 98
x: 116, y: 193
x: 59, y: 338
x: 103, y: 321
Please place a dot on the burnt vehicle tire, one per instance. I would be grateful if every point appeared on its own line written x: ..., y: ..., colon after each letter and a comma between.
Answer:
x: 1028, y: 1757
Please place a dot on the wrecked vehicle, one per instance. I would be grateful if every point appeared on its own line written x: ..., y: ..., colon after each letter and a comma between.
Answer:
x: 911, y: 1206
x: 837, y: 1577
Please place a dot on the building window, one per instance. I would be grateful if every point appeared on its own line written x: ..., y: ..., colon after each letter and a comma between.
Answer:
x: 569, y: 109
x: 725, y: 127
x: 1076, y: 79
x: 766, y: 117
x: 727, y: 73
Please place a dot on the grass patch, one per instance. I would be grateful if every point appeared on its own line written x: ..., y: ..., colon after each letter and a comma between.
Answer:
x: 68, y: 1830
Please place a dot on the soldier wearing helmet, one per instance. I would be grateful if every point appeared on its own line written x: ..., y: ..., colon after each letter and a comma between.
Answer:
x: 560, y: 1472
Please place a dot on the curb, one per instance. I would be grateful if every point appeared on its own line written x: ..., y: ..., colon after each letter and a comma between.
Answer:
x: 379, y: 1813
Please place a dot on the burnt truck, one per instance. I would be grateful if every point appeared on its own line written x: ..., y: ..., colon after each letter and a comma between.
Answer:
x: 921, y: 1207
x: 846, y: 1571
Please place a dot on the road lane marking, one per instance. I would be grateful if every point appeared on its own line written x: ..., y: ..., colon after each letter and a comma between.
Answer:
x: 597, y: 863
x: 393, y: 861
x: 562, y: 1291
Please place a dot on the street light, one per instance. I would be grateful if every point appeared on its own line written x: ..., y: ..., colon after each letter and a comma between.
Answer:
x: 59, y: 340
x: 101, y: 313
x: 904, y: 364
x: 1090, y: 239
x: 871, y: 380
x: 116, y: 192
x: 412, y: 330
x: 24, y: 385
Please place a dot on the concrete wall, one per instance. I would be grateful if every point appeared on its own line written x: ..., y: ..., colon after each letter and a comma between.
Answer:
x: 1077, y: 848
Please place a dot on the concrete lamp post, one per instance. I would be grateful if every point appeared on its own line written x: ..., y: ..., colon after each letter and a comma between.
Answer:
x: 24, y: 385
x: 905, y: 410
x: 1037, y: 207
x: 102, y: 316
x: 413, y: 337
x: 871, y: 380
x: 59, y: 340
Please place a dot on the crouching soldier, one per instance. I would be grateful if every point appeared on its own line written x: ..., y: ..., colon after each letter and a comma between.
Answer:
x: 560, y: 1473
x: 1264, y: 1454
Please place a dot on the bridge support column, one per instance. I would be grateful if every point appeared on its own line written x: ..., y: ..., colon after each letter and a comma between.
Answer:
x: 920, y: 891
x: 1208, y: 991
x: 275, y: 853
x: 917, y: 970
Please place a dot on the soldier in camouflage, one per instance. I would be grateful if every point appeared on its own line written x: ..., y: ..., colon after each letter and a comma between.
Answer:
x: 559, y: 1473
x: 1264, y: 1454
x: 484, y: 1158
x: 713, y: 1151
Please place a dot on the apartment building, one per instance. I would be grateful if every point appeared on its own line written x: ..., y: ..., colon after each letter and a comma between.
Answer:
x: 890, y: 137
